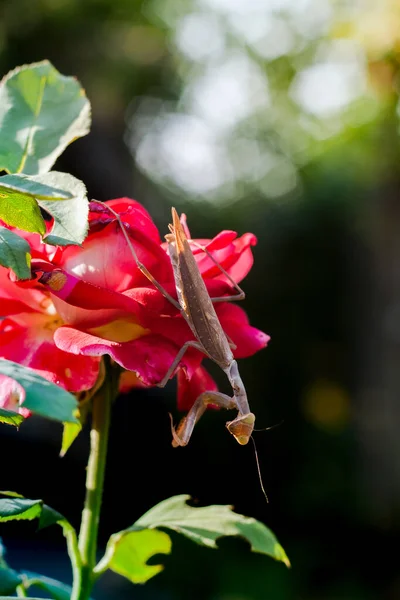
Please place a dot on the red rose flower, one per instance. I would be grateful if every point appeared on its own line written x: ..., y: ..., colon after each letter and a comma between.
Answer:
x: 93, y: 300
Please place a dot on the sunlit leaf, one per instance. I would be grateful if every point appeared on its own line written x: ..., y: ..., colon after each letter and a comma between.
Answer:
x: 72, y: 430
x: 29, y: 186
x: 15, y: 507
x: 41, y: 112
x: 71, y: 217
x: 15, y: 253
x: 206, y: 524
x: 10, y: 418
x: 70, y: 433
x: 22, y: 211
x: 19, y: 509
x: 127, y: 551
x: 41, y: 396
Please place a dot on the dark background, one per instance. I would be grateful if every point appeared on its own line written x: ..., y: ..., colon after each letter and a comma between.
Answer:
x: 278, y: 118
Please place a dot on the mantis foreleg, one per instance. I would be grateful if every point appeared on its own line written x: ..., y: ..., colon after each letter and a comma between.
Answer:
x: 240, y: 296
x: 185, y: 428
x: 142, y: 268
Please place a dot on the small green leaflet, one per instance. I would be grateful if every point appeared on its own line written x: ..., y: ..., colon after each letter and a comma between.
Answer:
x: 72, y: 430
x: 10, y: 417
x: 15, y: 507
x: 22, y: 211
x: 127, y: 551
x: 15, y: 253
x: 30, y: 187
x: 70, y: 218
x: 70, y: 433
x: 41, y: 112
x: 18, y: 205
x: 41, y: 397
x: 19, y: 509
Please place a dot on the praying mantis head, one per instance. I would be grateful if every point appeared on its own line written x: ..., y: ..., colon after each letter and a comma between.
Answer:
x: 242, y: 427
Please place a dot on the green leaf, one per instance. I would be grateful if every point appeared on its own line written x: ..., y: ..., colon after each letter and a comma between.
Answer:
x: 9, y: 580
x: 17, y: 508
x: 70, y: 433
x: 29, y: 186
x: 10, y: 418
x: 15, y: 253
x: 70, y: 218
x: 41, y: 112
x: 127, y: 551
x: 206, y: 524
x: 72, y: 430
x: 49, y: 516
x: 41, y: 396
x: 22, y: 211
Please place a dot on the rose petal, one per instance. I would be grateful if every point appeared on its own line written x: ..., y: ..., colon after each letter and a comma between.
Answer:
x: 129, y: 380
x: 149, y: 356
x: 220, y: 241
x: 175, y: 329
x: 13, y: 299
x: 190, y: 389
x: 34, y: 347
x: 134, y: 214
x: 152, y: 301
x: 82, y: 294
x: 235, y: 323
x: 12, y: 395
x: 236, y: 257
x: 105, y: 259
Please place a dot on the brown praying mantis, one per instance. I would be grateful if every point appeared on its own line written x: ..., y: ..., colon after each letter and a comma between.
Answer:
x: 196, y: 307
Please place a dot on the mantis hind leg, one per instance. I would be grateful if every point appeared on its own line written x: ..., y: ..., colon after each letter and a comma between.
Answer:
x: 236, y: 297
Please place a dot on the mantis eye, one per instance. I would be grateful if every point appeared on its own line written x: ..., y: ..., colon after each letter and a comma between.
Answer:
x: 242, y: 427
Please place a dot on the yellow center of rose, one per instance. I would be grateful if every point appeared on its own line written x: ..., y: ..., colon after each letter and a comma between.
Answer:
x: 120, y: 331
x: 53, y: 323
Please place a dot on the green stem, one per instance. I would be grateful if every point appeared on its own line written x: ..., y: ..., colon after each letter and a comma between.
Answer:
x: 21, y: 591
x: 75, y: 558
x: 87, y: 544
